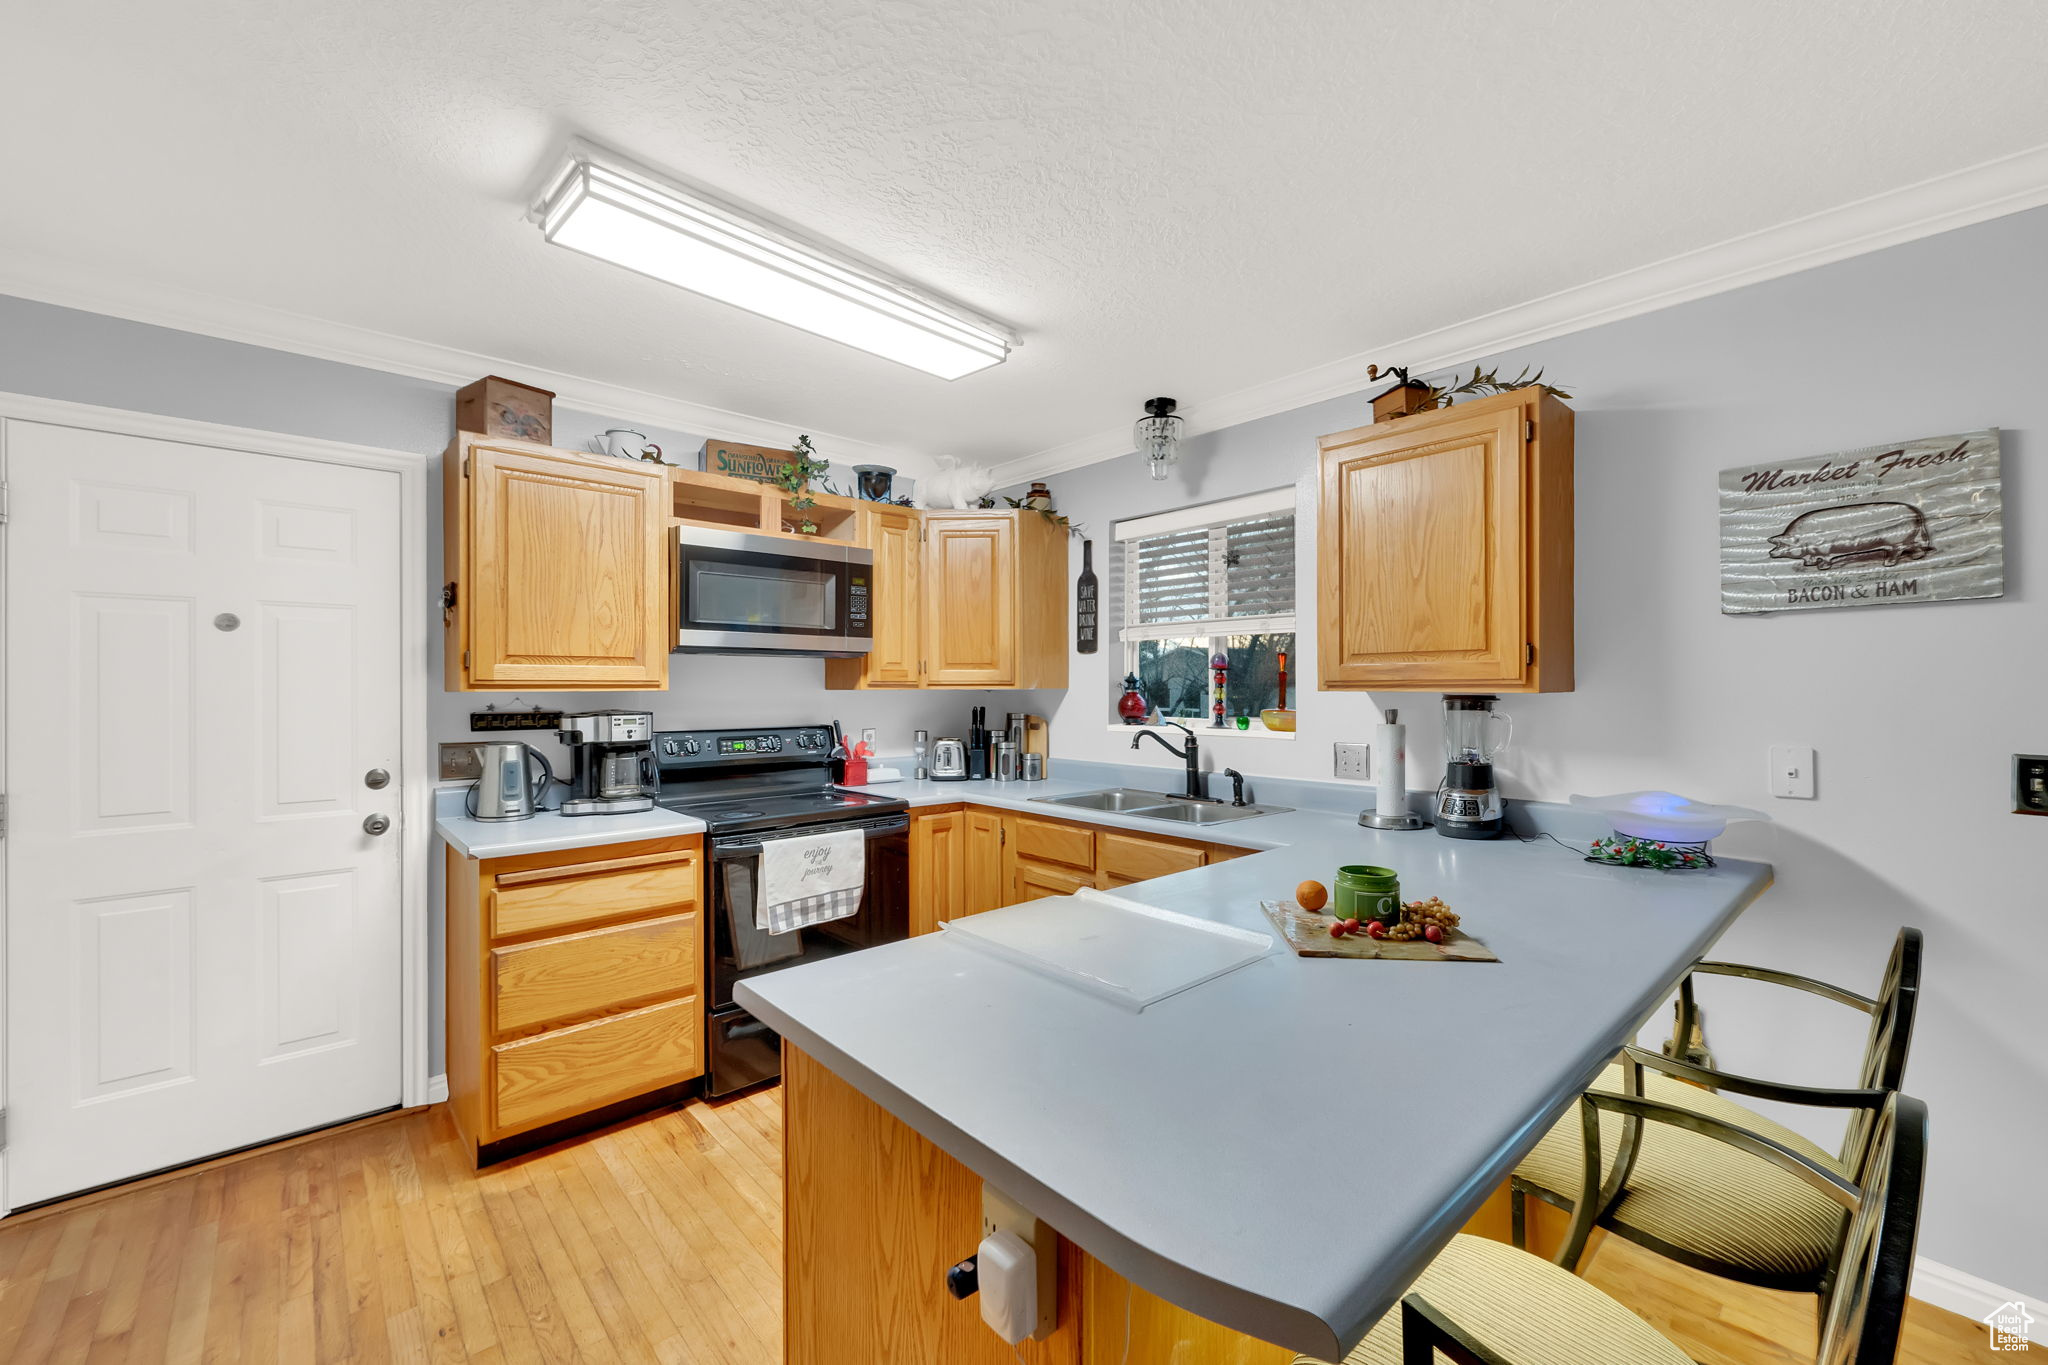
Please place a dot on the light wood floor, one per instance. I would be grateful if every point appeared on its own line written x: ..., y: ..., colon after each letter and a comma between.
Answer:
x: 655, y: 1240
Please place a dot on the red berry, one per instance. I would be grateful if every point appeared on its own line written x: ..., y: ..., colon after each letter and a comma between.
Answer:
x: 1351, y: 925
x: 1338, y: 930
x: 1376, y: 930
x: 1434, y: 934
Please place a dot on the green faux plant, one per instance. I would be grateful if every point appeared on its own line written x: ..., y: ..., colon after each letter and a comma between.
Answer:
x: 795, y: 479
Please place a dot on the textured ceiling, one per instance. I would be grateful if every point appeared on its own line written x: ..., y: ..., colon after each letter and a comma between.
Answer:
x: 1163, y: 198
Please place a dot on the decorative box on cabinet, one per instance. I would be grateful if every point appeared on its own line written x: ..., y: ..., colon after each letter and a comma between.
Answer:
x: 1444, y: 550
x: 557, y: 569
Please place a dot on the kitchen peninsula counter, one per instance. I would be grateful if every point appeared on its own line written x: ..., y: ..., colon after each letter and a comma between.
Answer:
x: 1279, y: 1150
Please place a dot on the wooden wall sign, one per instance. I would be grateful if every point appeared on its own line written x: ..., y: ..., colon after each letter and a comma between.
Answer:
x: 762, y: 464
x: 1920, y: 521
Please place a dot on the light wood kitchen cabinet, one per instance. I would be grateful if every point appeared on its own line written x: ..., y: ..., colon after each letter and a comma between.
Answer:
x: 977, y: 599
x: 896, y: 536
x: 967, y: 859
x: 938, y: 866
x: 575, y: 983
x: 983, y: 879
x: 1444, y: 550
x: 556, y: 569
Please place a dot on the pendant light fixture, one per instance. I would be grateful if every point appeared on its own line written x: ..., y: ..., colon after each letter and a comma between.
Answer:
x: 1158, y: 436
x: 603, y: 205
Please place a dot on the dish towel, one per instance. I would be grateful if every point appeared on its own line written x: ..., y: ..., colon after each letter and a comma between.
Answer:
x: 810, y: 879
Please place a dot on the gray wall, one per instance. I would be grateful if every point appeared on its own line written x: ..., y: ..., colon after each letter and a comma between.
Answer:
x: 1915, y: 710
x: 80, y: 357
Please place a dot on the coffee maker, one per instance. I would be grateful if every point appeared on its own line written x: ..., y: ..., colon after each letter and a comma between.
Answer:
x: 614, y: 772
x: 1468, y: 802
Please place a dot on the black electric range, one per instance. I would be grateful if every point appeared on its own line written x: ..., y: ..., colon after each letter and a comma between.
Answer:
x: 752, y: 787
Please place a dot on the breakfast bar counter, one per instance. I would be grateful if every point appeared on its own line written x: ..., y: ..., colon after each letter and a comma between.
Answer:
x: 1279, y: 1150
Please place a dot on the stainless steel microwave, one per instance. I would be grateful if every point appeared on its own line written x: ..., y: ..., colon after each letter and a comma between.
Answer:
x: 743, y: 593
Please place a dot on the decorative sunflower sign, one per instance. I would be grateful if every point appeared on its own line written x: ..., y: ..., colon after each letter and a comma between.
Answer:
x: 1918, y: 521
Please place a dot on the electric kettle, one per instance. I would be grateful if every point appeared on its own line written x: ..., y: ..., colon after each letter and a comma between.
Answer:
x: 514, y: 778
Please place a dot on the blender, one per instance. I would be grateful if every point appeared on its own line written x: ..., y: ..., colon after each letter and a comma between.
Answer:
x: 1468, y: 802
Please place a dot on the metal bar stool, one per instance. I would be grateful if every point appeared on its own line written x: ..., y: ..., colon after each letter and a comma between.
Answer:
x: 1707, y: 1204
x: 1482, y: 1302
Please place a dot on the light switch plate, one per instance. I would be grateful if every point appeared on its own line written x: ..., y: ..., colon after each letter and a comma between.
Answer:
x: 1792, y: 772
x: 2030, y: 784
x: 1350, y: 761
x: 459, y: 763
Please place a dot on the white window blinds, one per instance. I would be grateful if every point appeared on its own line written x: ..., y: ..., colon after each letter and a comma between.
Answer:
x: 1233, y: 575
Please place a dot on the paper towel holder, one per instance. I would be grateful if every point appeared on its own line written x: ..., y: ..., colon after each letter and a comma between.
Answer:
x: 1407, y: 819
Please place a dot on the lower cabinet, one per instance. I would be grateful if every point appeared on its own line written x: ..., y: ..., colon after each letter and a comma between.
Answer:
x: 575, y: 983
x: 966, y: 859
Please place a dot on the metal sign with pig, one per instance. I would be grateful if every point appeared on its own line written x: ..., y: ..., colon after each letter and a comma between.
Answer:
x: 1914, y: 522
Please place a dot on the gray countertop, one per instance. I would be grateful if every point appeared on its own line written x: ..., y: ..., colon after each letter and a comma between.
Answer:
x: 548, y: 831
x: 1282, y: 1149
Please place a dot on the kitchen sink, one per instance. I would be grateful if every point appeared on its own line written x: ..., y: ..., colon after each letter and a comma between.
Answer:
x: 1158, y: 806
x: 1120, y: 799
x: 1202, y: 813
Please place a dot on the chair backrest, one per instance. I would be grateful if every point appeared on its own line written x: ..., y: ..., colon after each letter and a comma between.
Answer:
x: 1864, y: 1303
x: 1891, y: 1038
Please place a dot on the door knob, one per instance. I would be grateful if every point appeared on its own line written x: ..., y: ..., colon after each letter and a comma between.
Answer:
x: 376, y: 824
x: 376, y: 779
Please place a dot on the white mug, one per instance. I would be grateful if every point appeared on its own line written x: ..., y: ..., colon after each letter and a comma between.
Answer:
x: 624, y: 444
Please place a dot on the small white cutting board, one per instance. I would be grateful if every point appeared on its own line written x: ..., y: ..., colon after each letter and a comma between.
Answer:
x: 1130, y: 954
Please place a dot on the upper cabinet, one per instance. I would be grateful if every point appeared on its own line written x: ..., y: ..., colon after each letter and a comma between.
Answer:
x: 556, y: 569
x: 964, y: 599
x: 1444, y: 550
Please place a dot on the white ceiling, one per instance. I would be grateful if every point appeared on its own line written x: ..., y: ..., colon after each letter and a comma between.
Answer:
x: 1184, y: 198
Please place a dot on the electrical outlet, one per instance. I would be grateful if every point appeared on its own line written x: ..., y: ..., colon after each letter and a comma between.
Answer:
x: 867, y: 736
x: 459, y: 763
x: 2030, y: 784
x: 1350, y: 762
x: 1792, y: 772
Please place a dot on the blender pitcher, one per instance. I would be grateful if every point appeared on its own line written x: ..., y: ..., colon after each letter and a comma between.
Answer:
x: 1471, y: 734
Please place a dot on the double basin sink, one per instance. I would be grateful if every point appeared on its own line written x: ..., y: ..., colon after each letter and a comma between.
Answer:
x: 1179, y: 810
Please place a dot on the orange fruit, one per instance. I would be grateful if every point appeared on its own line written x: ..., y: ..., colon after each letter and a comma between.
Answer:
x: 1311, y: 895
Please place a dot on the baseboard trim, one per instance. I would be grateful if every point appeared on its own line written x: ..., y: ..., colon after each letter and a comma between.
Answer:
x: 1972, y: 1297
x: 437, y: 1088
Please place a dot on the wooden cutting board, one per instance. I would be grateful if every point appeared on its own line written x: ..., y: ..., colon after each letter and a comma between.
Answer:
x: 1309, y: 935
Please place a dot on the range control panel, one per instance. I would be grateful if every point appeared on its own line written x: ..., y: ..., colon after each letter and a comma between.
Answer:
x: 802, y: 744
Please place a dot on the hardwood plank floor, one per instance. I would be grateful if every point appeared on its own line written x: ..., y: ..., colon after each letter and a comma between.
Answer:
x: 656, y: 1240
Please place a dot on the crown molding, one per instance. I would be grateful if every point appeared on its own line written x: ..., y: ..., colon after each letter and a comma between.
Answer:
x: 45, y: 280
x: 1974, y: 194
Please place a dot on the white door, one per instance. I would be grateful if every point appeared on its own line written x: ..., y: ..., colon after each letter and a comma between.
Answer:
x: 203, y: 660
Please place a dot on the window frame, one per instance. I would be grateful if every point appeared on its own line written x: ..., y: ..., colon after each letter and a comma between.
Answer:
x: 1215, y: 518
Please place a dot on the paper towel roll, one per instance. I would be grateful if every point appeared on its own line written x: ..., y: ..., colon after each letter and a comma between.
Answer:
x: 1390, y: 765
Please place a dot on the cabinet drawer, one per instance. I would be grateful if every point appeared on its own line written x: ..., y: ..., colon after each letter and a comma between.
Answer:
x: 574, y: 895
x: 1223, y: 853
x: 1048, y: 841
x: 1135, y: 858
x: 553, y: 1075
x: 562, y: 978
x: 1036, y: 881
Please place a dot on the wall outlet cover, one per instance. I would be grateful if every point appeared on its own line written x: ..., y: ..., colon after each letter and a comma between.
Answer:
x: 1350, y: 764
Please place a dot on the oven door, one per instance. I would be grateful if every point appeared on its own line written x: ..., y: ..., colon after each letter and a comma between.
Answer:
x: 741, y: 1050
x: 740, y: 593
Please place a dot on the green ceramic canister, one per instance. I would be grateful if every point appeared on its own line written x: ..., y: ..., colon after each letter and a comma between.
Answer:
x: 1365, y: 893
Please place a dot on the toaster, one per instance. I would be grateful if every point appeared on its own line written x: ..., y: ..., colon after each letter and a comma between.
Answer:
x: 949, y: 760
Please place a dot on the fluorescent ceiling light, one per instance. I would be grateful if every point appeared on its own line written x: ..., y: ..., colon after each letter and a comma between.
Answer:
x: 606, y: 207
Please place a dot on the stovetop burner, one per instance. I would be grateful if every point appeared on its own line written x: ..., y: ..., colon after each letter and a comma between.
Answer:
x: 766, y: 779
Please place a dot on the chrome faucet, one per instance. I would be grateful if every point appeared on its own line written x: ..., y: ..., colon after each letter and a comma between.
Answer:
x: 1191, y: 753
